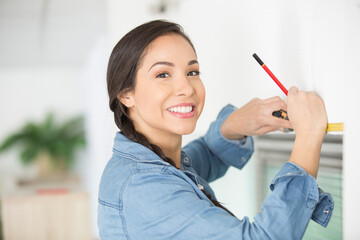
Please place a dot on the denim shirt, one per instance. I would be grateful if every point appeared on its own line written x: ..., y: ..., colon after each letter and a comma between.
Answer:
x: 143, y: 197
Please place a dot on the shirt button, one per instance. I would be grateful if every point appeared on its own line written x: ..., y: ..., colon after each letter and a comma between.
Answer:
x: 326, y: 211
x: 243, y: 159
x: 187, y: 161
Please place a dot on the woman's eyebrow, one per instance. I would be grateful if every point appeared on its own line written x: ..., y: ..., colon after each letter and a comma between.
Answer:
x: 162, y: 63
x: 172, y: 64
x: 193, y: 62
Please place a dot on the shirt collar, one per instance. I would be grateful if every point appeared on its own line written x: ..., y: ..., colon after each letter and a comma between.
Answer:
x: 138, y: 152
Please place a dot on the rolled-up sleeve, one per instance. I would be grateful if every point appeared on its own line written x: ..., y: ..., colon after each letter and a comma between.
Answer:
x: 292, y: 181
x: 212, y: 154
x: 232, y: 152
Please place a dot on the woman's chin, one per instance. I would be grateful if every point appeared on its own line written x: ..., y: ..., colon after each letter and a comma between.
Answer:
x: 185, y: 130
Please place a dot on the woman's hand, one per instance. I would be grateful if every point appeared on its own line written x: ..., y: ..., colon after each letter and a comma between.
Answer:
x: 255, y: 118
x: 307, y: 114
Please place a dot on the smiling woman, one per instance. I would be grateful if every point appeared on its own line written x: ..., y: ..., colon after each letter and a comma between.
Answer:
x: 153, y: 189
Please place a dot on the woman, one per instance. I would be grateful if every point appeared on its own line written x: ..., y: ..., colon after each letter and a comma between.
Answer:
x: 153, y: 189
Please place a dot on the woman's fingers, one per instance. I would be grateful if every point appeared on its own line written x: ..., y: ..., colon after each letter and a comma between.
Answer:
x: 306, y: 112
x: 266, y: 129
x: 293, y: 90
x: 265, y: 117
x: 272, y: 99
x: 255, y: 118
x: 276, y: 106
x: 278, y: 122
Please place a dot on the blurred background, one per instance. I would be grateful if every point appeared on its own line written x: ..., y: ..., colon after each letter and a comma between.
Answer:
x: 53, y: 59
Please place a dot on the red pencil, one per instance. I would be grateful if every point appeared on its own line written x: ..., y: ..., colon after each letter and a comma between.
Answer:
x: 270, y: 73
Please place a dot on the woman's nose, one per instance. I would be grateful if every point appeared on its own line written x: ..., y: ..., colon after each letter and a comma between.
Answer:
x: 184, y: 87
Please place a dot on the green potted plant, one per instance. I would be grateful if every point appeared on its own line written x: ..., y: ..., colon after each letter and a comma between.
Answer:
x: 51, y: 145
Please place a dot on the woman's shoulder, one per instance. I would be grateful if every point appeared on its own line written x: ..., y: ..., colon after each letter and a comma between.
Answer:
x: 125, y: 168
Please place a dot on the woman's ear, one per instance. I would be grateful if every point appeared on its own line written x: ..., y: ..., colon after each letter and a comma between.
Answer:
x: 126, y: 97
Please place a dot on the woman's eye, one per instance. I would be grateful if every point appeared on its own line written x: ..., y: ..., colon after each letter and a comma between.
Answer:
x: 163, y: 75
x: 193, y: 73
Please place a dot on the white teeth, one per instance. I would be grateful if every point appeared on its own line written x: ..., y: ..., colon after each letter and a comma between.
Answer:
x: 182, y: 109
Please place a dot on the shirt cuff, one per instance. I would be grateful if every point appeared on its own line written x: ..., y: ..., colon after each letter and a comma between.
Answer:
x: 232, y: 152
x: 245, y: 142
x: 324, y: 209
x: 321, y: 202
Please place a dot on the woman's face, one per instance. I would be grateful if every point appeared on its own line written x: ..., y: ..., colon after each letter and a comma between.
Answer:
x: 169, y: 95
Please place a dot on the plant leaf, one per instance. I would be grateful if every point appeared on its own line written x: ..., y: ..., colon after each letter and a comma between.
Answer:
x: 29, y: 153
x: 10, y: 141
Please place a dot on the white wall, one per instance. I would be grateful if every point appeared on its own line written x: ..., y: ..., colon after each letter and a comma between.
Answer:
x: 100, y: 124
x: 349, y: 76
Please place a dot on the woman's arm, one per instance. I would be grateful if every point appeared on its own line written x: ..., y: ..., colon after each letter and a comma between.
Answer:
x: 255, y: 118
x: 307, y: 114
x: 210, y: 156
x: 225, y: 143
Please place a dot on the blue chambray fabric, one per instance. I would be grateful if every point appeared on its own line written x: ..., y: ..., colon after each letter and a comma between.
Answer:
x: 143, y: 197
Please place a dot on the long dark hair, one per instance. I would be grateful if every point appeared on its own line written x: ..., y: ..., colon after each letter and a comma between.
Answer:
x: 123, y: 65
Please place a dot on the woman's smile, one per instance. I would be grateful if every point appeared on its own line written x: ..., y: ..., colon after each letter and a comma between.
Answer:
x: 182, y: 110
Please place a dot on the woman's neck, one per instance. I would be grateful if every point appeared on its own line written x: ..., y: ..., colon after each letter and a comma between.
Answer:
x: 171, y: 147
x: 170, y: 144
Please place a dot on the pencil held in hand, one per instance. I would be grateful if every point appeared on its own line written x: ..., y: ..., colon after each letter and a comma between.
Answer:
x: 331, y: 127
x: 262, y: 64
